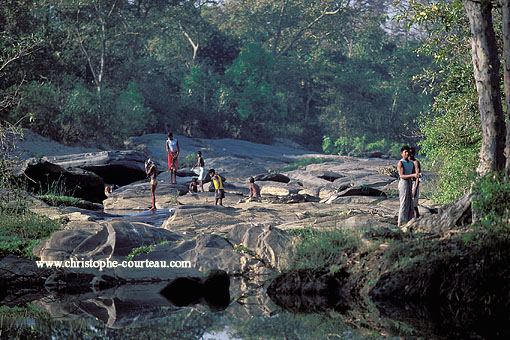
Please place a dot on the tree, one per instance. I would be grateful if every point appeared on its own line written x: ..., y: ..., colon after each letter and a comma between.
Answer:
x: 486, y: 66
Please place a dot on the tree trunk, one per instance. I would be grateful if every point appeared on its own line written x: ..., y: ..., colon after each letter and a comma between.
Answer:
x: 486, y: 70
x: 506, y: 54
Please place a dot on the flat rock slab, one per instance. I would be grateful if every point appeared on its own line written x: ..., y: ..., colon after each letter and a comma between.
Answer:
x: 137, y: 196
x: 277, y: 189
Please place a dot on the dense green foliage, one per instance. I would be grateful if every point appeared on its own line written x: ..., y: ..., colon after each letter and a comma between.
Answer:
x: 95, y: 71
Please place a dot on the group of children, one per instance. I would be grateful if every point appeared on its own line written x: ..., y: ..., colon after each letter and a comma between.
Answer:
x: 173, y: 150
x: 409, y: 170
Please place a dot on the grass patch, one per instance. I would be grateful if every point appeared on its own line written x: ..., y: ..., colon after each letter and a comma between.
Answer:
x: 323, y: 249
x: 20, y: 233
x: 302, y: 162
x: 144, y: 250
x: 58, y: 201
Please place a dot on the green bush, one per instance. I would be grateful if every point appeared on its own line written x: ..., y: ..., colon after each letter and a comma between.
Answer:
x: 188, y: 161
x: 491, y: 204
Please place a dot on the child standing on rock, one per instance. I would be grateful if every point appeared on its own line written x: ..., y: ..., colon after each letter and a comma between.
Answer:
x: 199, y: 170
x: 219, y: 193
x: 152, y: 171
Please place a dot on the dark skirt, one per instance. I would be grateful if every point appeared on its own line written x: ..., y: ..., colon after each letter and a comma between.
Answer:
x: 220, y: 193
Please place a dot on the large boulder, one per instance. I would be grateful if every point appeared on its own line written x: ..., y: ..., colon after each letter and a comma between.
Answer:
x: 116, y: 167
x: 329, y: 176
x: 362, y: 191
x: 274, y: 177
x: 278, y: 189
x: 96, y: 241
x: 41, y: 175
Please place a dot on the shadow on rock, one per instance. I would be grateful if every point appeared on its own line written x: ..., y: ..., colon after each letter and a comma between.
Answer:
x: 212, y: 291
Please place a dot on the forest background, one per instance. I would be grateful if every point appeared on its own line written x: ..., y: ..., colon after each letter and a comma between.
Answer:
x: 345, y: 77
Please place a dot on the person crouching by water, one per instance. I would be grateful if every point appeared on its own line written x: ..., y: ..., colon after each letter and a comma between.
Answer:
x: 193, y: 188
x: 406, y: 172
x: 219, y: 193
x: 152, y: 171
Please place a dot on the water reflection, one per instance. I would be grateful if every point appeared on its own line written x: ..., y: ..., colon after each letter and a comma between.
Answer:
x: 140, y: 312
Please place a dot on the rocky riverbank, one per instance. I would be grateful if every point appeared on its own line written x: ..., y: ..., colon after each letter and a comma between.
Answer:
x: 250, y: 240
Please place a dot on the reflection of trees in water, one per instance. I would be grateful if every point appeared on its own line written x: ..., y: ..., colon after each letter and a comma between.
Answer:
x: 185, y: 324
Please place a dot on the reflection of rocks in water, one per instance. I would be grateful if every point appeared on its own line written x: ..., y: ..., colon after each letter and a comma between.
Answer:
x: 250, y: 299
x: 448, y: 321
x: 135, y: 305
x: 212, y: 291
x: 118, y: 307
x: 310, y: 291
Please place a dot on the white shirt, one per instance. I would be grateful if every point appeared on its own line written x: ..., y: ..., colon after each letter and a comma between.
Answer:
x: 172, y: 144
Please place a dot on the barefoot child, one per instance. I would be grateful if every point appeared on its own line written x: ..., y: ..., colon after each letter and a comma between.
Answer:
x: 152, y: 171
x: 254, y: 189
x: 199, y: 170
x: 193, y: 186
x: 219, y: 194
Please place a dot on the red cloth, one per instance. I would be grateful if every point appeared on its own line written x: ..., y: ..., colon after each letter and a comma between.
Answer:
x: 173, y: 163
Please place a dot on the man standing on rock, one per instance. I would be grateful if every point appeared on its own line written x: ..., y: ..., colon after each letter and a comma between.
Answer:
x: 152, y: 170
x: 172, y: 148
x: 219, y: 193
x: 406, y: 172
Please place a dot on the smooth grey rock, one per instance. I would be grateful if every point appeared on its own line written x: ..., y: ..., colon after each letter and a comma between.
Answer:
x: 274, y: 177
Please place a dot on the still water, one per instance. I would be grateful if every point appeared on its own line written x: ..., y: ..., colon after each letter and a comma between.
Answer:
x: 141, y: 312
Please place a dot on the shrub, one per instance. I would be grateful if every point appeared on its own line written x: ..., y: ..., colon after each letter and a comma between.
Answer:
x: 491, y: 204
